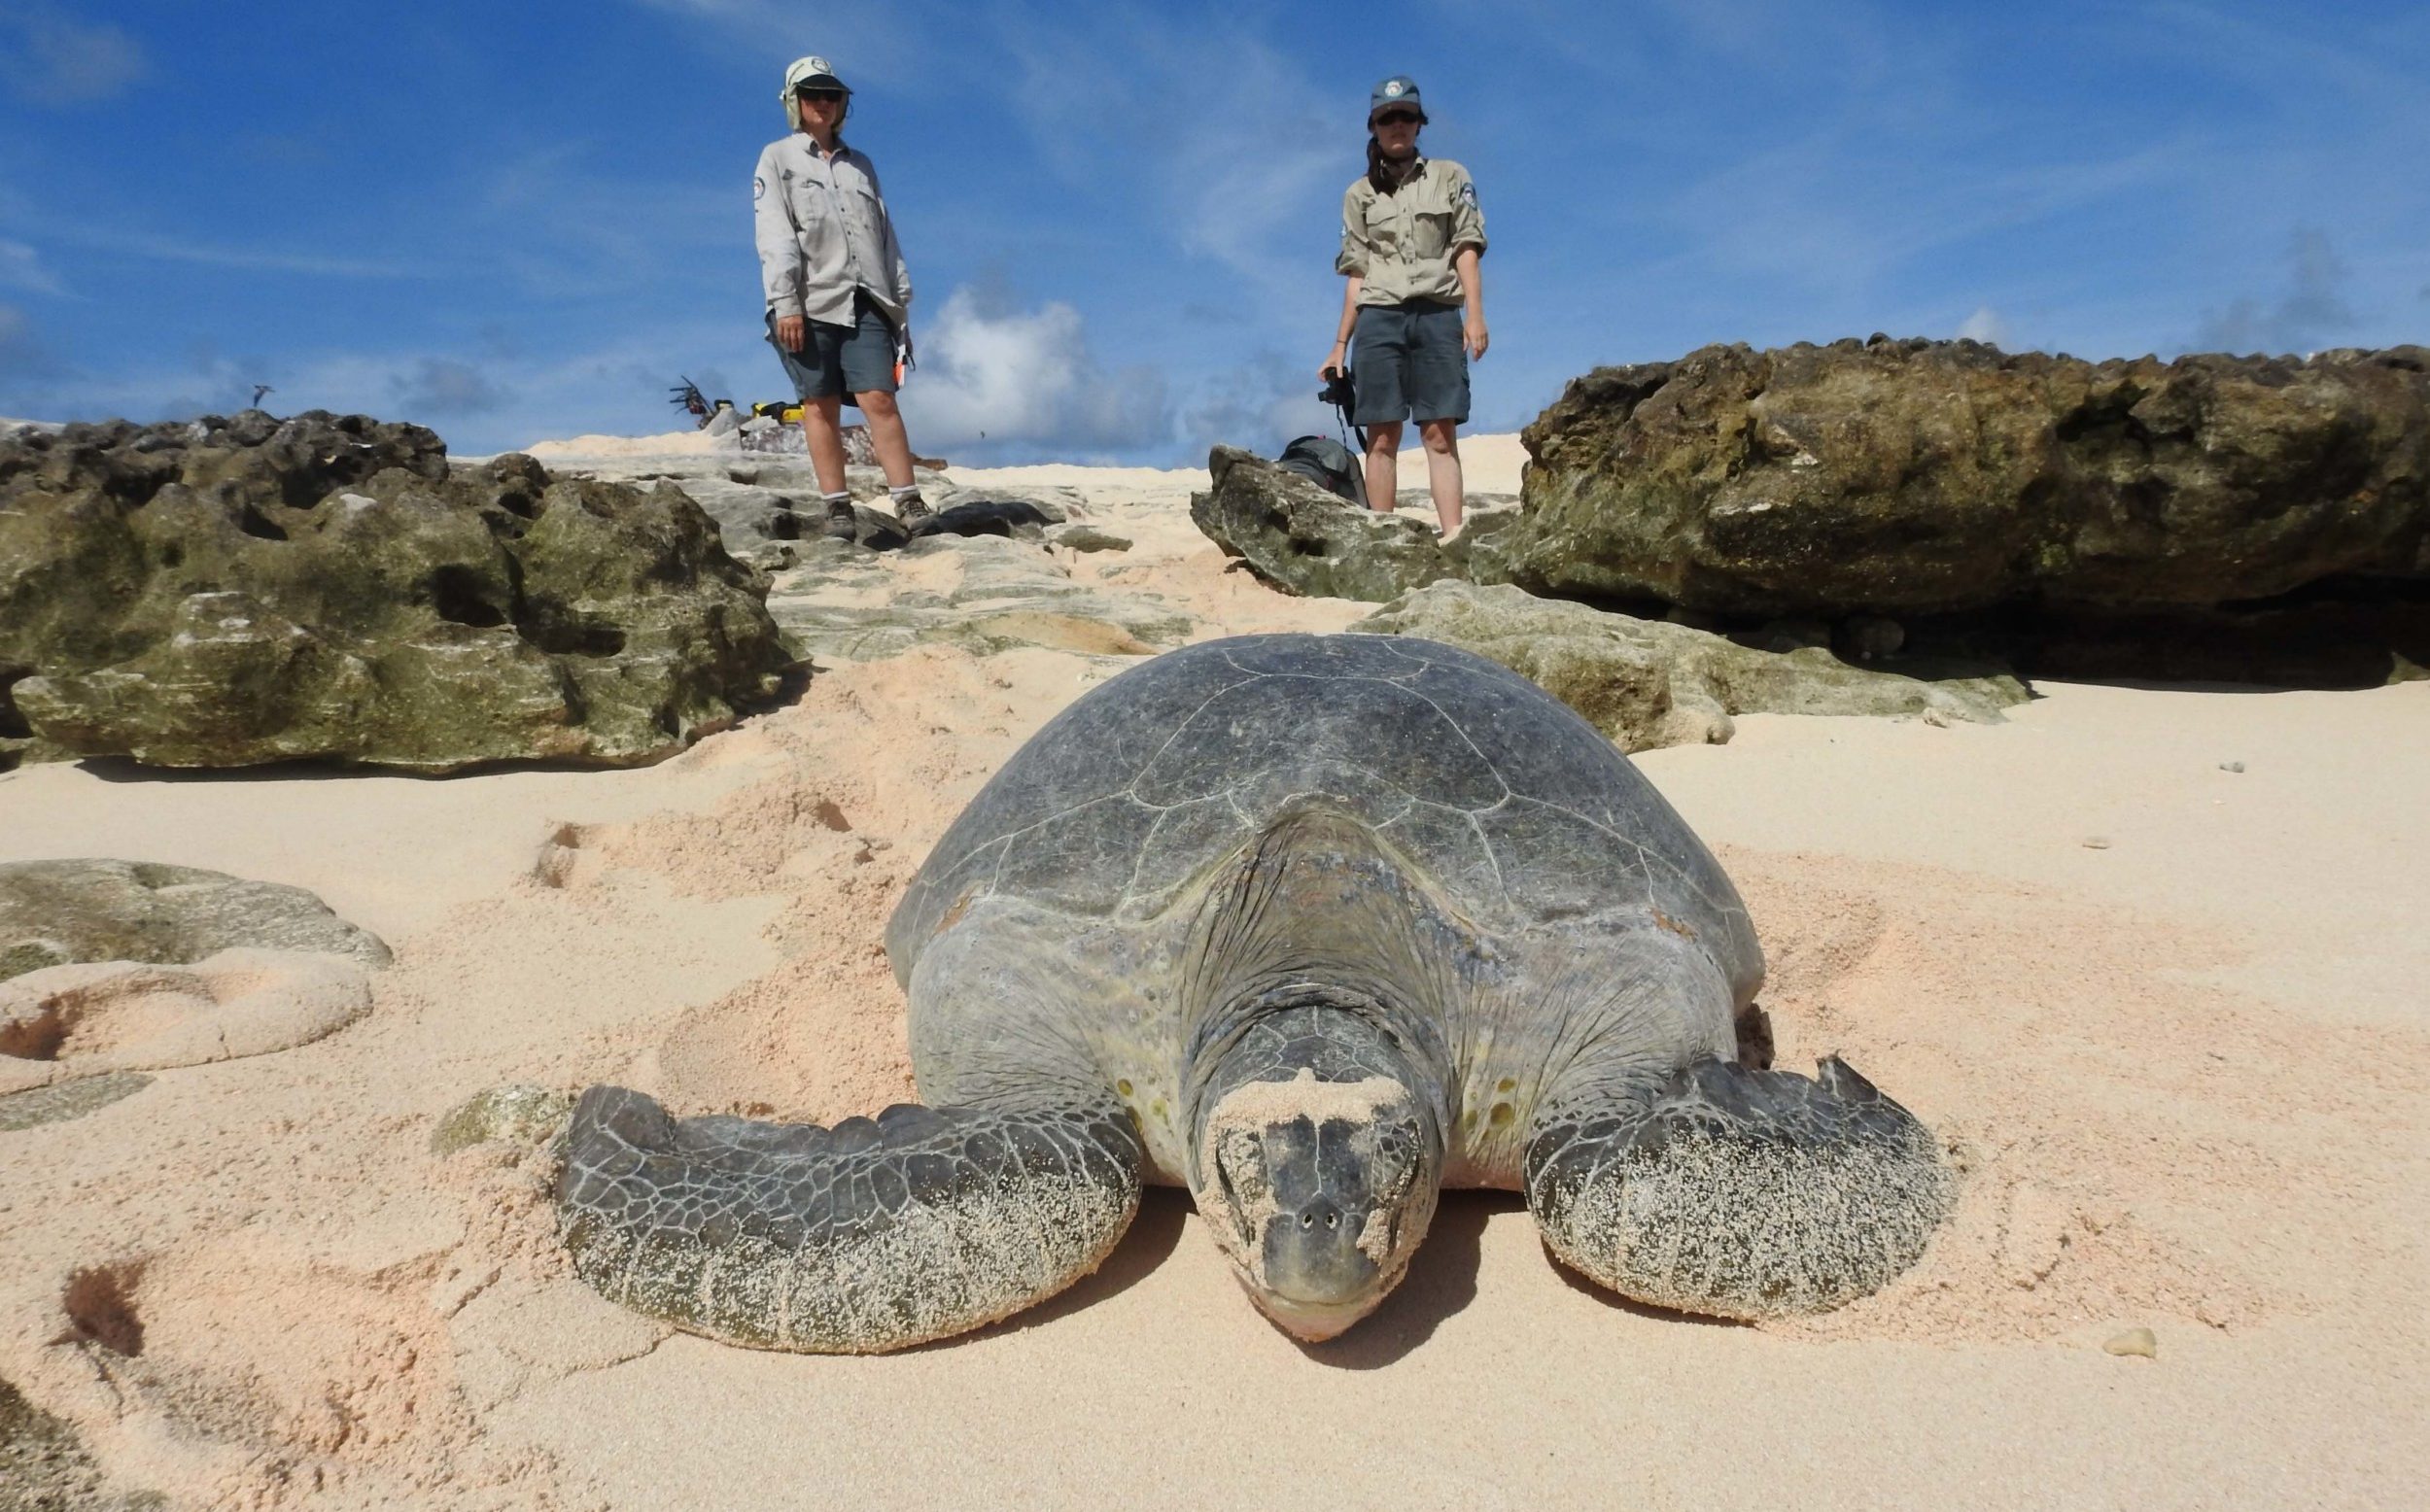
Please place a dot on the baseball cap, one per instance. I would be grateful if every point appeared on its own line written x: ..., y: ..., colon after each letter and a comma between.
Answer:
x: 1400, y: 90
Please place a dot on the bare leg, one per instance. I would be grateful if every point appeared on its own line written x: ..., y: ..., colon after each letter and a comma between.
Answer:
x: 886, y: 436
x: 823, y: 427
x: 1383, y: 466
x: 1442, y: 471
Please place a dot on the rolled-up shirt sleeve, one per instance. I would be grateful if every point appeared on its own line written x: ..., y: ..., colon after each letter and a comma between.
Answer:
x: 1352, y: 261
x: 779, y: 244
x: 1468, y: 220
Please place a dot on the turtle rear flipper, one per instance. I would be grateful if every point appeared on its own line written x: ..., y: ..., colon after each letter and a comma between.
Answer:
x: 1738, y: 1194
x: 873, y: 1235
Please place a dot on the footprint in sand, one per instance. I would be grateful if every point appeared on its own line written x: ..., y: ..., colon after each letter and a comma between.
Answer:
x: 65, y: 1022
x: 254, y: 1367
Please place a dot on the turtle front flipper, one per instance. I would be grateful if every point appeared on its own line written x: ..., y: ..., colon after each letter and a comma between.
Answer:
x: 1737, y: 1193
x: 876, y: 1234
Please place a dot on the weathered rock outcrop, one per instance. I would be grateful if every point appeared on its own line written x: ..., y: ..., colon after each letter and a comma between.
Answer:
x: 59, y: 913
x: 1932, y: 477
x: 1297, y: 535
x: 224, y: 593
x: 1647, y: 685
x: 1010, y: 585
x: 839, y: 603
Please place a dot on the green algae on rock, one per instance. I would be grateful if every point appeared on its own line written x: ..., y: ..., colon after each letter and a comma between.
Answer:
x: 57, y: 912
x: 1937, y: 477
x: 226, y: 592
x: 1647, y: 685
x: 1297, y: 535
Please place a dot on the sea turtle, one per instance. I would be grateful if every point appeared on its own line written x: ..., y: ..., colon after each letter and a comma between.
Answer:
x: 1314, y: 926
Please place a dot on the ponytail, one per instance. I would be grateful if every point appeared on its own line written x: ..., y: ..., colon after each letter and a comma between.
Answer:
x: 1380, y: 172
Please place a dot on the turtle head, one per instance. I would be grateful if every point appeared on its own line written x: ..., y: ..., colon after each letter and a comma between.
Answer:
x: 1318, y: 1158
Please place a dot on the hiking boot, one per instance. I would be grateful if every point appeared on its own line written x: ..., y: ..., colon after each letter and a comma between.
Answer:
x: 842, y: 523
x: 915, y: 513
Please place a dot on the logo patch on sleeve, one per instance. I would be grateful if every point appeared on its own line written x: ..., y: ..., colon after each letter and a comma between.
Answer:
x: 1468, y: 194
x: 759, y: 189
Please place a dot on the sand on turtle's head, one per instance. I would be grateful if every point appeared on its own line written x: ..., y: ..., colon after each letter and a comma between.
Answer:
x: 1318, y: 1193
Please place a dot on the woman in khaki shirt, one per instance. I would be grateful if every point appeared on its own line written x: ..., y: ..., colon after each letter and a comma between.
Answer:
x: 1411, y: 236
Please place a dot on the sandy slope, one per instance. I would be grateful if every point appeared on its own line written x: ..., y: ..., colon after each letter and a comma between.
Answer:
x: 2185, y: 1070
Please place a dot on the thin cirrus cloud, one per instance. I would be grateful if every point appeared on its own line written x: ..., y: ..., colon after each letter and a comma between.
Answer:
x: 21, y: 268
x: 49, y: 59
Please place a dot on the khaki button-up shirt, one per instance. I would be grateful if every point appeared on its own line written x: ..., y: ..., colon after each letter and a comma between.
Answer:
x: 1401, y: 243
x: 824, y: 231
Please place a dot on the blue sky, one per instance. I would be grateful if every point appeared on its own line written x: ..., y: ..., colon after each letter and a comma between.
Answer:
x: 514, y: 222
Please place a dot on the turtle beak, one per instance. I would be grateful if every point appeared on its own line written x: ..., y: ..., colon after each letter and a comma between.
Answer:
x: 1310, y: 1323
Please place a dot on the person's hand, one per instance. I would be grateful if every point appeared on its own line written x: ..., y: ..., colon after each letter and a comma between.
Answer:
x: 1472, y: 336
x: 790, y: 332
x: 1333, y: 361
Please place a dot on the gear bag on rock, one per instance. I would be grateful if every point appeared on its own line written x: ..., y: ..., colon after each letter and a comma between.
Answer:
x: 1327, y: 462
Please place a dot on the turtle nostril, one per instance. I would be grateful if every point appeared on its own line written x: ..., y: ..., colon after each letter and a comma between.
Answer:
x: 1332, y: 1220
x: 1307, y: 1221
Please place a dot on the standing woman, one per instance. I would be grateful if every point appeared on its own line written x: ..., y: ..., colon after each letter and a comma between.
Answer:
x: 1411, y: 236
x: 838, y: 294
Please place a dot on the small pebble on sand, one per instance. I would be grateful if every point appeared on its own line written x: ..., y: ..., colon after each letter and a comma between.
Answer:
x: 2231, y: 766
x: 2135, y: 1341
x: 2097, y: 842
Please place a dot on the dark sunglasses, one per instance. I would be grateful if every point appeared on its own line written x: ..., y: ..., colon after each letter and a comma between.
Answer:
x: 818, y: 96
x: 1398, y: 118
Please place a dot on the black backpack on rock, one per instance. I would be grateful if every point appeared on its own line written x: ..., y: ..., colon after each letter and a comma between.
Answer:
x: 1324, y: 462
x: 1328, y: 463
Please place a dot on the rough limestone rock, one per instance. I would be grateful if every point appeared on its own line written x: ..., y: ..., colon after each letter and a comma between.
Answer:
x: 519, y: 1113
x: 1934, y: 478
x: 1645, y: 683
x: 1011, y: 549
x: 228, y: 592
x: 56, y: 912
x: 1297, y: 535
x: 841, y: 603
x: 755, y: 500
x: 59, y: 1102
x: 762, y: 502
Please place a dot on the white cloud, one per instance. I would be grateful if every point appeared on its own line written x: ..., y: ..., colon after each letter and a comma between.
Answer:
x: 48, y: 58
x: 1985, y: 325
x: 1003, y: 382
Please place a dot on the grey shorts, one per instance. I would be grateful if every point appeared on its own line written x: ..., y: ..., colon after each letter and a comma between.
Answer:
x: 1408, y: 362
x: 841, y: 359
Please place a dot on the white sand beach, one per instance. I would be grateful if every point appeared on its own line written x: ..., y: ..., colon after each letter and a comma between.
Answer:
x: 2171, y: 1017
